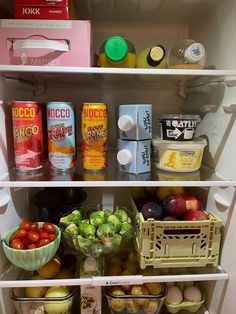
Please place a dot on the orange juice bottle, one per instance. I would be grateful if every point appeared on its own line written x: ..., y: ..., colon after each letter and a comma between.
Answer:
x: 117, y: 52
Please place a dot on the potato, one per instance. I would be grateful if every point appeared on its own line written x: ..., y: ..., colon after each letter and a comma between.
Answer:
x: 151, y: 307
x: 126, y: 288
x: 126, y: 272
x: 132, y: 306
x: 35, y: 292
x: 140, y: 290
x: 51, y: 269
x: 117, y: 305
x: 154, y: 287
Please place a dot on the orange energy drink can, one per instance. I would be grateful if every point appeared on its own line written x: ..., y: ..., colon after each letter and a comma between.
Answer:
x: 94, y: 136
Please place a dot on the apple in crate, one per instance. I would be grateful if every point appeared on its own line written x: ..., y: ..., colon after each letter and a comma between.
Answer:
x: 152, y: 210
x: 196, y: 215
x: 174, y: 205
x: 192, y: 202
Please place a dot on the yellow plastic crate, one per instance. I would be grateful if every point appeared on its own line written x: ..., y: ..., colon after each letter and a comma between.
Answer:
x: 165, y: 244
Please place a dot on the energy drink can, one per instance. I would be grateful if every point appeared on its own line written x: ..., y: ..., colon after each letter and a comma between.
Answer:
x: 61, y: 136
x: 28, y: 135
x: 94, y: 136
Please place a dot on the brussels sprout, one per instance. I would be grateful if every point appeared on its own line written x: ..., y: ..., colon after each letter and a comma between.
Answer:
x: 126, y: 230
x: 105, y: 233
x: 72, y: 218
x: 82, y: 226
x: 72, y: 230
x: 122, y: 215
x: 117, y: 239
x: 89, y: 231
x: 97, y: 218
x: 129, y: 220
x: 78, y: 214
x: 107, y: 213
x: 115, y: 222
x: 83, y: 244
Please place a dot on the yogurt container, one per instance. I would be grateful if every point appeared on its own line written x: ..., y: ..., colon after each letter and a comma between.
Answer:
x: 178, y: 157
x: 178, y: 127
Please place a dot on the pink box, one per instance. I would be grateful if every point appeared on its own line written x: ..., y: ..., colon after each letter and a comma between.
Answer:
x: 46, y: 42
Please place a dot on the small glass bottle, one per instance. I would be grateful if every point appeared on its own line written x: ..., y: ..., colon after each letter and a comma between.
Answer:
x: 117, y: 52
x: 187, y: 54
x: 154, y: 57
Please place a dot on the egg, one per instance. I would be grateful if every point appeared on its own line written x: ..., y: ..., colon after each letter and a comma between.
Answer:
x: 193, y: 294
x: 174, y: 295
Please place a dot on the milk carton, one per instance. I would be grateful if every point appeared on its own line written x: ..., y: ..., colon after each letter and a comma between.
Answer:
x: 90, y: 296
x: 135, y: 122
x: 134, y: 156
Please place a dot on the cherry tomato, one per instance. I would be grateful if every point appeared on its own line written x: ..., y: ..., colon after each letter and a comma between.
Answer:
x: 20, y: 234
x: 50, y: 228
x: 33, y: 236
x: 25, y: 224
x: 26, y: 242
x: 52, y: 237
x: 32, y: 246
x: 17, y: 244
x: 43, y: 242
x: 42, y: 234
x: 34, y: 226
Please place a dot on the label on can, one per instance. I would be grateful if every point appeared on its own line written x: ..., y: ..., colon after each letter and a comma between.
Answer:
x: 94, y: 135
x: 61, y: 136
x: 27, y: 134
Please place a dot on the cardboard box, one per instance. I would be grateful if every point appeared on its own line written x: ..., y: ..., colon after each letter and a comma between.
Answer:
x: 42, y: 9
x: 48, y: 43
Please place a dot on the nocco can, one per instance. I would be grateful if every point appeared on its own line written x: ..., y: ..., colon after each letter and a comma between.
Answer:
x: 61, y: 136
x: 27, y: 134
x: 94, y: 136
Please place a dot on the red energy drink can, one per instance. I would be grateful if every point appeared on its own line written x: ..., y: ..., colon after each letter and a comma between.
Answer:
x: 27, y: 134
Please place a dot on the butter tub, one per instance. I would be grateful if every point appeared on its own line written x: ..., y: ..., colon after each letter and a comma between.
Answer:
x: 178, y: 156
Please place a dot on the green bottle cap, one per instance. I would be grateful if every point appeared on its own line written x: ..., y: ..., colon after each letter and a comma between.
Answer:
x: 116, y: 48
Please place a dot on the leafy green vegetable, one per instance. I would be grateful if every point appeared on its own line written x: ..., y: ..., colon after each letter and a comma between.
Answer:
x: 73, y: 218
x: 117, y: 239
x: 122, y: 215
x: 115, y: 221
x: 97, y: 218
x: 84, y: 244
x: 89, y: 231
x: 72, y: 230
x: 107, y: 230
x: 107, y: 213
x: 126, y: 230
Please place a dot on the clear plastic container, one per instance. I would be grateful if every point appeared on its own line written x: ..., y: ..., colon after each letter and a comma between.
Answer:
x: 187, y: 54
x: 141, y: 304
x: 117, y: 52
x: 26, y: 305
x: 152, y: 57
x: 178, y: 156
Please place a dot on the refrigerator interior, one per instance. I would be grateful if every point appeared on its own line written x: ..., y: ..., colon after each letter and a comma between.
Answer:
x: 210, y: 22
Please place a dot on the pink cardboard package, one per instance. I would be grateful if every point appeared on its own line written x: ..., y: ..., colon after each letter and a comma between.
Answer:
x: 46, y: 42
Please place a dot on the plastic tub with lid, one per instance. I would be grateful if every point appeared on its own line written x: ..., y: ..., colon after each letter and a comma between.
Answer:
x: 178, y: 127
x: 178, y: 156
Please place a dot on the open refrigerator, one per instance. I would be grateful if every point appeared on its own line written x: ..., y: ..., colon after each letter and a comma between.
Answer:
x: 210, y: 92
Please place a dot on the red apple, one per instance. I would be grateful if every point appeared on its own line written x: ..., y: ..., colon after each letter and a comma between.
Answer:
x: 192, y: 202
x: 174, y: 205
x: 195, y: 215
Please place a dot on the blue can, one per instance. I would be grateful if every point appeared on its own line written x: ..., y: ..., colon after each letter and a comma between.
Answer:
x: 61, y: 136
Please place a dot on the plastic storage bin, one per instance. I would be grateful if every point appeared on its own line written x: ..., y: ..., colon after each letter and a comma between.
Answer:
x: 177, y: 243
x: 26, y: 305
x: 141, y: 304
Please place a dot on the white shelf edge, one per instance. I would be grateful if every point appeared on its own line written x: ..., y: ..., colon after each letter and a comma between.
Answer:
x: 115, y: 280
x: 23, y: 184
x: 97, y: 70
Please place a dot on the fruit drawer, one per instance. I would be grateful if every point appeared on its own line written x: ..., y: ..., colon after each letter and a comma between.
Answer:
x: 164, y: 244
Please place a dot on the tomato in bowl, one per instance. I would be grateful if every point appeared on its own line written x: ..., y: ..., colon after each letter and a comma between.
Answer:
x: 31, y: 246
